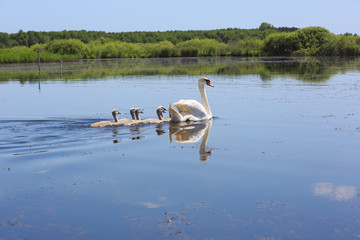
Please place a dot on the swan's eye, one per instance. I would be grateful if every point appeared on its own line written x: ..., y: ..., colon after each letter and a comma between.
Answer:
x: 208, y: 82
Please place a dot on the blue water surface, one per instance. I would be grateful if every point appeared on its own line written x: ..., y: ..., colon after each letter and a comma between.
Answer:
x: 280, y: 159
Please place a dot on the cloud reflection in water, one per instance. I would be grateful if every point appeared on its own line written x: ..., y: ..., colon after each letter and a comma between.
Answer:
x: 336, y: 193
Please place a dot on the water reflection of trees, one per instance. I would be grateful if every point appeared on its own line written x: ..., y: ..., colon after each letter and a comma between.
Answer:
x: 305, y: 69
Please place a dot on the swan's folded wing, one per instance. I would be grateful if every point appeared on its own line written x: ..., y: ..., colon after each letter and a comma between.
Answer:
x: 191, y: 107
x: 175, y: 116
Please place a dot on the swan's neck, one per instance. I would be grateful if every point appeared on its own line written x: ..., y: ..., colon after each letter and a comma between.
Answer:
x: 159, y: 114
x: 115, y: 117
x: 204, y: 155
x: 137, y: 116
x: 204, y: 99
x: 132, y: 115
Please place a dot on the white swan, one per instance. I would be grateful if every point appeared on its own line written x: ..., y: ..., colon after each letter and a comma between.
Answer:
x: 192, y: 110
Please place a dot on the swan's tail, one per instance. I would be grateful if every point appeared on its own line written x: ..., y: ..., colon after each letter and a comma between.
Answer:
x: 175, y: 116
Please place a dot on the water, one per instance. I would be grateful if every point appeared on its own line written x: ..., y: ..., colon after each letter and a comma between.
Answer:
x: 279, y: 160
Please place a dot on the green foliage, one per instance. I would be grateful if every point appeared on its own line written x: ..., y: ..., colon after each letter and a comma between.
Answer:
x: 246, y: 47
x: 311, y: 41
x: 265, y: 26
x: 4, y: 40
x: 221, y: 35
x: 265, y: 41
x: 280, y: 44
x: 17, y: 54
x: 70, y: 46
x: 162, y: 49
x: 29, y: 55
x: 201, y: 47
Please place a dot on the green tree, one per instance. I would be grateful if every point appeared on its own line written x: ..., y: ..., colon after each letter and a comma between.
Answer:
x: 265, y: 26
x: 4, y: 40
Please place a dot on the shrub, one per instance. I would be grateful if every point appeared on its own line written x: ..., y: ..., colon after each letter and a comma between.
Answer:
x: 204, y: 47
x: 280, y: 44
x: 306, y: 41
x: 69, y: 46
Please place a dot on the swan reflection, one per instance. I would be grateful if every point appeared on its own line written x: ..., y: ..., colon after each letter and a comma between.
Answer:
x: 190, y: 133
x: 136, y: 133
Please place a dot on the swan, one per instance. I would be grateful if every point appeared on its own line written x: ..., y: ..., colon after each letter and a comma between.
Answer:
x: 132, y: 113
x: 116, y: 122
x: 159, y: 111
x: 137, y: 111
x: 108, y: 123
x: 136, y: 120
x: 192, y: 110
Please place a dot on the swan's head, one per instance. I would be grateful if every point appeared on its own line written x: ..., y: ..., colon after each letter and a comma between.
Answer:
x: 114, y: 114
x: 205, y: 81
x: 161, y: 109
x: 138, y: 110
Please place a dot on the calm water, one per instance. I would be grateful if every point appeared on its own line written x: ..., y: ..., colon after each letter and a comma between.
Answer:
x: 280, y: 160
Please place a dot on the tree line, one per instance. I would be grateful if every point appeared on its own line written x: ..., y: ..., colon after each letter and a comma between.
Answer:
x: 264, y: 41
x: 221, y: 35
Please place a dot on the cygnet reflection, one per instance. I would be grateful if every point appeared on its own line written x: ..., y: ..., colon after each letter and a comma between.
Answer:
x: 190, y: 133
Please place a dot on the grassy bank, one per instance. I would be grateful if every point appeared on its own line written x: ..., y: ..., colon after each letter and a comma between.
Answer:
x: 312, y: 41
x: 104, y: 48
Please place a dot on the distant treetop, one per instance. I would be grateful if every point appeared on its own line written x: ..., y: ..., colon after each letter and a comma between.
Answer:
x: 265, y: 26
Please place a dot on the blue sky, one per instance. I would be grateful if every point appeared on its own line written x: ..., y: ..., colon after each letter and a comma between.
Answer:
x: 161, y: 15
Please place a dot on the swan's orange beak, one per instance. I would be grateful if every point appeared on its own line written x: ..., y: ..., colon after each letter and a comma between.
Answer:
x: 209, y: 84
x: 207, y: 81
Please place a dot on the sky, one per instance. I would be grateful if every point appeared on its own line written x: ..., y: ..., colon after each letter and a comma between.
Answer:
x: 162, y: 15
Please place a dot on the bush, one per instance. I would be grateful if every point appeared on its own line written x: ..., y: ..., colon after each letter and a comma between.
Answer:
x: 189, y: 52
x: 201, y: 47
x: 70, y: 46
x: 161, y: 49
x: 281, y: 44
x: 246, y: 47
x: 311, y: 41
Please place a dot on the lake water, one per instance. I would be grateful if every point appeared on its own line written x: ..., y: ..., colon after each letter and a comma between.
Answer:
x: 280, y: 159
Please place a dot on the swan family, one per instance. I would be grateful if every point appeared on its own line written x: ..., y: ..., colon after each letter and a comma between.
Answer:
x: 186, y: 110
